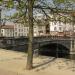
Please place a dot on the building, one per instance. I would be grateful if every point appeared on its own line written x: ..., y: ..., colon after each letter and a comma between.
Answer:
x: 61, y: 24
x: 39, y: 27
x: 42, y: 27
x: 20, y: 30
x: 54, y: 26
x: 7, y: 31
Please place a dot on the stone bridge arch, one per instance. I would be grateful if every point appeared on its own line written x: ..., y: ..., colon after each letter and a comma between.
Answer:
x: 54, y: 49
x: 61, y: 43
x: 64, y: 43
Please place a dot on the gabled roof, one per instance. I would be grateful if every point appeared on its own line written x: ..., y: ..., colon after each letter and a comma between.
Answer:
x: 7, y: 27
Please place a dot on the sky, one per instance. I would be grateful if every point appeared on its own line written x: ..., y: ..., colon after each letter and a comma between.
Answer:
x: 8, y: 13
x: 11, y: 12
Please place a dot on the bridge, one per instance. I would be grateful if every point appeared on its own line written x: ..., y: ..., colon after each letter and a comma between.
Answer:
x: 40, y: 41
x: 67, y: 42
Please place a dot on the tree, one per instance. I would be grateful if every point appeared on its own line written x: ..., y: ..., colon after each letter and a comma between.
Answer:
x: 30, y: 21
x: 25, y: 7
x: 20, y: 7
x: 30, y: 44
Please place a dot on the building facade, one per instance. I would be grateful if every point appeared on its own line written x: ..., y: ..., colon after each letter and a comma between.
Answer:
x: 20, y: 30
x: 42, y: 27
x: 7, y: 31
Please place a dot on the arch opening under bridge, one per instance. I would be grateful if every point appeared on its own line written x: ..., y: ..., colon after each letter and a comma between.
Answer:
x: 55, y: 50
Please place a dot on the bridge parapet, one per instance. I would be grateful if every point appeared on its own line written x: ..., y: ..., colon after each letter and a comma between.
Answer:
x: 50, y: 38
x: 68, y: 42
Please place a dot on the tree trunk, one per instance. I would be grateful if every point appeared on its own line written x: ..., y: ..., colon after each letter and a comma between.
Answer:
x: 30, y: 44
x: 0, y: 22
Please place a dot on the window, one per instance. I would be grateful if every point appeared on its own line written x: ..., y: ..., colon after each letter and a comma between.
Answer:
x: 59, y: 23
x: 47, y: 28
x: 1, y: 30
x: 55, y: 29
x: 40, y: 27
x: 60, y: 28
x: 27, y: 29
x: 16, y: 33
x: 55, y: 22
x: 19, y: 30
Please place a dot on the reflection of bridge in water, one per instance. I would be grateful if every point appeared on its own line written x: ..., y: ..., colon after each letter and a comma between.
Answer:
x: 39, y: 42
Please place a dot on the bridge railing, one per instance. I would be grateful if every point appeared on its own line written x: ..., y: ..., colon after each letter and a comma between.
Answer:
x: 60, y: 37
x: 45, y: 38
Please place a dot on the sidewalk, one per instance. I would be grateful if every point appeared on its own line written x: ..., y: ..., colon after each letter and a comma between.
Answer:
x: 14, y: 63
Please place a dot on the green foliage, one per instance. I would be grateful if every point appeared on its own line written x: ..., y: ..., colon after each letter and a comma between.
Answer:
x: 10, y: 4
x: 1, y: 2
x: 60, y: 1
x: 63, y: 1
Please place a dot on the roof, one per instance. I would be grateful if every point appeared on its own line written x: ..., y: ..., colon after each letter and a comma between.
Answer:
x: 7, y: 27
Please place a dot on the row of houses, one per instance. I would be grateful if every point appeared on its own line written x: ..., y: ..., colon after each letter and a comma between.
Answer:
x: 42, y: 27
